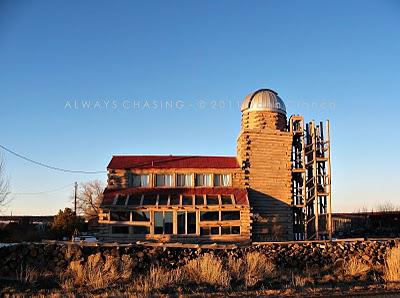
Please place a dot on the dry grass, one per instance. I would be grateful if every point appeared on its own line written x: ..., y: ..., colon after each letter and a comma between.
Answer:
x: 355, y: 267
x: 255, y: 268
x: 392, y: 266
x: 207, y: 269
x: 97, y: 273
x: 258, y: 268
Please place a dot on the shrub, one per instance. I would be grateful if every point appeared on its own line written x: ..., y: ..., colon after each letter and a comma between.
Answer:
x: 207, y: 269
x: 258, y: 268
x: 392, y: 266
x: 355, y: 267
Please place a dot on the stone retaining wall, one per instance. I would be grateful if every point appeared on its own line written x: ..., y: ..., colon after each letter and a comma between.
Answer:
x: 56, y: 257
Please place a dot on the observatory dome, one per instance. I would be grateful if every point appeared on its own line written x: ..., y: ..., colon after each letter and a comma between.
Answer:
x: 263, y: 100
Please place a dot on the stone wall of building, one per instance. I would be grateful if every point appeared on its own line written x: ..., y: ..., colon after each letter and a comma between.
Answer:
x: 298, y: 255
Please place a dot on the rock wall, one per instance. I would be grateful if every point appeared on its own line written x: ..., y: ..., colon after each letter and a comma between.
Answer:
x: 55, y: 257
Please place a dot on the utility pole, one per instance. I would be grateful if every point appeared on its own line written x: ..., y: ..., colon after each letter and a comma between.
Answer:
x: 76, y: 190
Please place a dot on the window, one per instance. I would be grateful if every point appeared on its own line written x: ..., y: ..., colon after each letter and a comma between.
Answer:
x: 163, y: 180
x: 230, y: 215
x: 209, y: 215
x: 187, y: 200
x: 140, y: 215
x: 140, y: 180
x: 140, y: 230
x: 174, y: 200
x: 226, y: 200
x: 199, y: 200
x: 121, y: 200
x: 149, y: 200
x: 184, y: 180
x: 186, y: 222
x: 162, y: 200
x: 163, y: 222
x: 120, y: 216
x: 230, y: 230
x: 204, y: 231
x: 212, y: 200
x: 134, y: 200
x: 222, y: 179
x: 120, y: 230
x: 203, y: 180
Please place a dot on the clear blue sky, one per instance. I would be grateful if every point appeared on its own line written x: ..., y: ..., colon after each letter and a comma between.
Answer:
x: 343, y: 53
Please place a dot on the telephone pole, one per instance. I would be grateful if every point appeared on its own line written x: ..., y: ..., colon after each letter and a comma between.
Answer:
x: 76, y: 190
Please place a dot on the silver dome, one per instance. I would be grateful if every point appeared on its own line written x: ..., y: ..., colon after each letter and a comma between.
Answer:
x: 263, y: 100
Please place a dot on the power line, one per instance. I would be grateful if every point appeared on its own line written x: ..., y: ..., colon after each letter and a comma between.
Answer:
x: 49, y: 166
x: 42, y: 192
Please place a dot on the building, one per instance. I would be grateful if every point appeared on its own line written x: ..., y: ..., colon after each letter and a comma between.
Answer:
x: 276, y: 188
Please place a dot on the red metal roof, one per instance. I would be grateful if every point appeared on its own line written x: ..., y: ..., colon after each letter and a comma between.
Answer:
x: 240, y: 194
x: 172, y: 161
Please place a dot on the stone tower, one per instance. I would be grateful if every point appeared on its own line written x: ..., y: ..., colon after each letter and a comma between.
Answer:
x: 264, y: 151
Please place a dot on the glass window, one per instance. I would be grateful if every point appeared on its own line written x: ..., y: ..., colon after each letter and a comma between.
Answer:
x: 187, y: 200
x: 120, y: 230
x: 214, y: 231
x: 141, y: 230
x: 191, y: 222
x: 140, y: 215
x: 149, y: 200
x: 203, y: 180
x: 120, y: 216
x: 181, y: 220
x: 163, y: 180
x: 121, y: 200
x: 184, y: 180
x: 168, y: 222
x: 134, y: 200
x: 235, y: 230
x: 222, y: 179
x: 230, y: 215
x: 163, y: 222
x: 140, y: 180
x: 212, y: 200
x: 158, y: 222
x: 230, y: 230
x: 199, y: 200
x: 204, y: 231
x: 209, y: 215
x: 174, y: 200
x: 162, y: 200
x: 226, y: 200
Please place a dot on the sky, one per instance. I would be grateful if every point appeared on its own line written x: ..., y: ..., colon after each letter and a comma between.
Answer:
x: 81, y: 81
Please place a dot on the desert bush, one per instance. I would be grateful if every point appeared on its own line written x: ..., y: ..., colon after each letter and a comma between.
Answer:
x: 355, y: 267
x: 258, y: 268
x: 158, y: 278
x: 392, y: 266
x: 207, y: 269
x: 97, y: 273
x: 236, y: 267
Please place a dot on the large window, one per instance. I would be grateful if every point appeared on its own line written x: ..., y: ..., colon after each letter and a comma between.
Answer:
x: 230, y: 215
x: 184, y: 180
x: 163, y: 222
x: 186, y: 222
x: 134, y: 200
x: 163, y: 180
x: 203, y: 180
x: 222, y: 179
x: 140, y: 180
x: 121, y: 200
